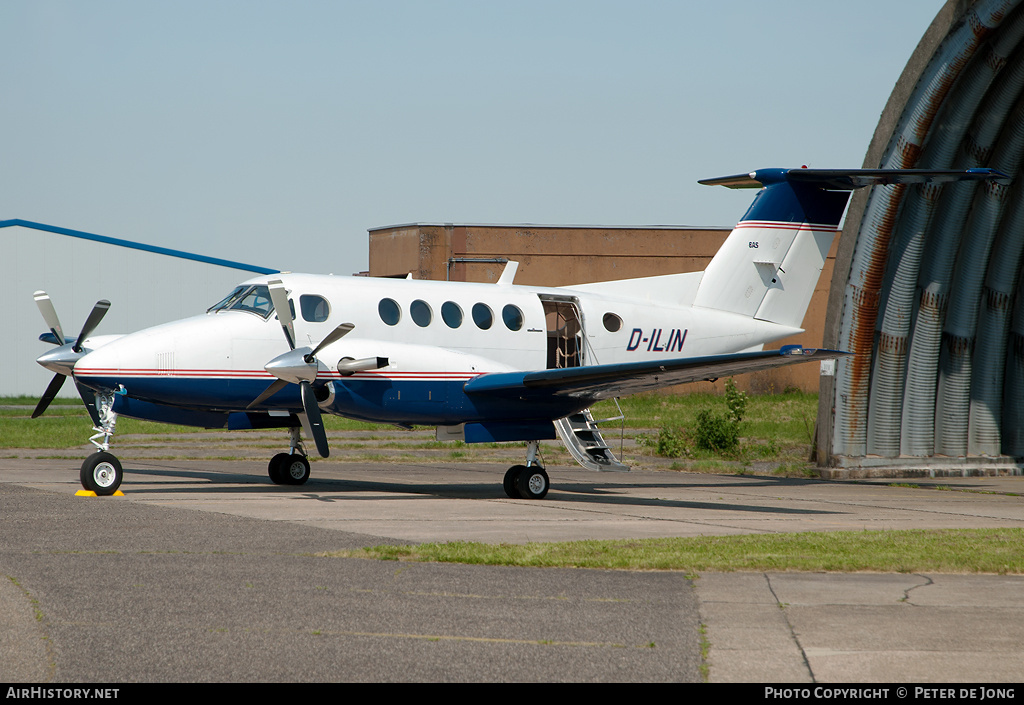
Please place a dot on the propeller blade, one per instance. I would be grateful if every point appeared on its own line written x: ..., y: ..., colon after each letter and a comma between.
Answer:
x: 316, y: 422
x: 95, y: 316
x: 51, y: 391
x: 276, y: 386
x: 279, y: 296
x: 332, y: 337
x: 49, y: 315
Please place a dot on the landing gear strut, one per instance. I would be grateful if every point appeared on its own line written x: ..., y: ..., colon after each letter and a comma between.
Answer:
x: 528, y: 481
x: 290, y: 468
x: 101, y: 472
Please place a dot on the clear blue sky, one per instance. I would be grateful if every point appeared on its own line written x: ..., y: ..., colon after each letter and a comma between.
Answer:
x: 277, y: 133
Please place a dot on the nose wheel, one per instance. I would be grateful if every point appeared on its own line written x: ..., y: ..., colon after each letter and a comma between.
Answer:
x: 101, y: 473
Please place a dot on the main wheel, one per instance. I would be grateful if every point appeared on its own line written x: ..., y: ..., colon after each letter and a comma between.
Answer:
x: 295, y: 470
x: 532, y: 482
x: 509, y: 484
x: 276, y: 467
x: 101, y: 473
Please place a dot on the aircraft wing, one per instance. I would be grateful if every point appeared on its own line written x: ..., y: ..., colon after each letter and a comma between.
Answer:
x: 596, y: 382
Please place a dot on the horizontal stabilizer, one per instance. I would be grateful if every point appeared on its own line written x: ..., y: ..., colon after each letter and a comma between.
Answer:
x: 849, y: 179
x: 604, y: 381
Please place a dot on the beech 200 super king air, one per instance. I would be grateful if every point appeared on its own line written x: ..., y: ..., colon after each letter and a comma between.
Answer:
x: 482, y: 362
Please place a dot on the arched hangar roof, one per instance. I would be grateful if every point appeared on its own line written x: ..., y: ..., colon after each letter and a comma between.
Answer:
x: 927, y: 286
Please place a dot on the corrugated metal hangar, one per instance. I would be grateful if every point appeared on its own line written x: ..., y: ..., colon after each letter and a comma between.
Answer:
x: 145, y: 285
x: 926, y: 284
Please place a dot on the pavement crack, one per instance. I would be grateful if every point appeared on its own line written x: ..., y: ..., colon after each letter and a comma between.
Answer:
x: 906, y: 593
x: 789, y: 625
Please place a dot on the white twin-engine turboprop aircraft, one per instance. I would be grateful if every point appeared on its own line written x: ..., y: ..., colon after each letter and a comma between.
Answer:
x: 482, y: 362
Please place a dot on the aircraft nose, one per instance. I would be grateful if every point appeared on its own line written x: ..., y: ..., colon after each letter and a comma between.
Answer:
x: 62, y: 359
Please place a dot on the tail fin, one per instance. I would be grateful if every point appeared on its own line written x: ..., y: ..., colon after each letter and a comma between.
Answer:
x: 769, y: 265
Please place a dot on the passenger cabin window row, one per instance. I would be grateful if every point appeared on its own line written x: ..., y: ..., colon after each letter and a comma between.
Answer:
x: 316, y: 309
x: 451, y: 313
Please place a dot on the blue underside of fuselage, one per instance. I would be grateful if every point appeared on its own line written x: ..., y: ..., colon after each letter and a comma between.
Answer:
x: 378, y: 400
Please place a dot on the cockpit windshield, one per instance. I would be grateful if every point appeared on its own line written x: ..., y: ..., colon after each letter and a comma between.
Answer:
x: 253, y: 299
x: 227, y: 300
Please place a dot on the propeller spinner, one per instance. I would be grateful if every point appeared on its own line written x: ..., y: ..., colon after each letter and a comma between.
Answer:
x: 298, y: 366
x: 62, y: 360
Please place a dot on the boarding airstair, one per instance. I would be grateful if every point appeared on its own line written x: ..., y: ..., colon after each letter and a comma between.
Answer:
x: 582, y: 438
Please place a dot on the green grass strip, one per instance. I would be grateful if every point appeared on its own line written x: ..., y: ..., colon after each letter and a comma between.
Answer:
x: 999, y: 551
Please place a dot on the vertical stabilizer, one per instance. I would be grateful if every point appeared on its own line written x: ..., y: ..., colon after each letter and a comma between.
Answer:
x: 770, y: 263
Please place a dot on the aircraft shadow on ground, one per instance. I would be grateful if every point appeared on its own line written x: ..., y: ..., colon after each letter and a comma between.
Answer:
x: 334, y: 489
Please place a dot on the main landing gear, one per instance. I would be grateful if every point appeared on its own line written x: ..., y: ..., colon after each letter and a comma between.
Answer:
x: 290, y: 468
x: 528, y: 481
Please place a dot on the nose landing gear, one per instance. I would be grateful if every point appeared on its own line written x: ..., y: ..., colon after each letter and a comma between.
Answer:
x: 101, y: 472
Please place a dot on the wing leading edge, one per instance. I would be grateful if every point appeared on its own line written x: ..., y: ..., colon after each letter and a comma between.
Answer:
x: 604, y: 381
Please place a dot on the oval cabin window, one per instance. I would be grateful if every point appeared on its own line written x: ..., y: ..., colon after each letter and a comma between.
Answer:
x: 482, y: 316
x: 421, y: 313
x: 451, y: 314
x: 389, y: 311
x: 612, y: 323
x: 512, y: 316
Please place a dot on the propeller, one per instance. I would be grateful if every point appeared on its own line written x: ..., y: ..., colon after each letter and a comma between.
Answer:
x: 298, y: 366
x: 62, y: 360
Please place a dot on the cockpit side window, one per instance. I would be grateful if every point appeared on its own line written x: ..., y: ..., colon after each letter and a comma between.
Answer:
x: 315, y: 309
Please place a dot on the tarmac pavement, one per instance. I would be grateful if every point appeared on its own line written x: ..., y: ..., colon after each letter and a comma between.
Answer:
x: 205, y: 571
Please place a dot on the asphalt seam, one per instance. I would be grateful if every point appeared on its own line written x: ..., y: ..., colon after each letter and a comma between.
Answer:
x: 789, y: 625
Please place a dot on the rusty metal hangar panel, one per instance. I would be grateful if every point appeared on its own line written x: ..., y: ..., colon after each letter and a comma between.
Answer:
x: 926, y: 288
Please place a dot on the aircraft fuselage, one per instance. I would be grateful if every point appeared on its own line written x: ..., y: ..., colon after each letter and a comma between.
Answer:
x: 435, y: 336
